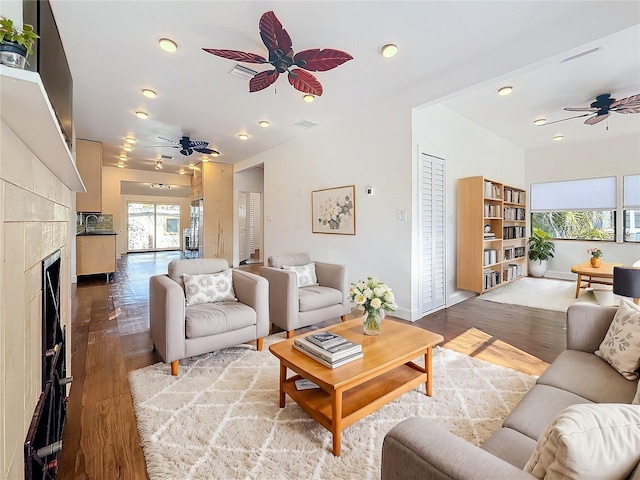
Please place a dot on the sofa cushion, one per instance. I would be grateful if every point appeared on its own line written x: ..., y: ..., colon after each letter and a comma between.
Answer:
x: 209, y: 288
x: 306, y: 274
x: 538, y: 408
x: 588, y: 376
x: 621, y: 344
x: 315, y: 297
x: 511, y: 446
x: 588, y: 441
x: 213, y: 318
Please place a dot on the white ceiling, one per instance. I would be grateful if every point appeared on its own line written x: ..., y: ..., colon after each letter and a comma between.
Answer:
x: 112, y: 52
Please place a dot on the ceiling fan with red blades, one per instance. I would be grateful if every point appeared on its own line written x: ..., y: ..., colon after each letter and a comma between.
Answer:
x: 281, y: 56
x: 602, y: 108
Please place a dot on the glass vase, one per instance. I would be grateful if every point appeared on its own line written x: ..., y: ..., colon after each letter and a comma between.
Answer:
x: 373, y: 321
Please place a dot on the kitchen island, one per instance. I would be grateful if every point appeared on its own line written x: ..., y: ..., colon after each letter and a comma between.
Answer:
x: 96, y: 253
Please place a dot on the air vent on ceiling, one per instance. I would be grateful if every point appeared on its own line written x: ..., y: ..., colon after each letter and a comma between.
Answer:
x: 243, y: 72
x: 306, y: 124
x: 581, y: 54
x: 166, y: 157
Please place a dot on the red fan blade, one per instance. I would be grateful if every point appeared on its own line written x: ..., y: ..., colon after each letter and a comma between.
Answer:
x: 305, y: 82
x: 262, y: 80
x: 321, y: 60
x: 596, y: 119
x: 627, y: 105
x: 273, y: 35
x: 581, y: 109
x: 236, y: 55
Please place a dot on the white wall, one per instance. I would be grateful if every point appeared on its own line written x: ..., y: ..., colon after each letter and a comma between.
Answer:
x: 617, y: 156
x: 116, y: 204
x: 468, y: 150
x: 373, y: 147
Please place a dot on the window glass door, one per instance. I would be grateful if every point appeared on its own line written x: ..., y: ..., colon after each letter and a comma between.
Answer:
x: 153, y: 226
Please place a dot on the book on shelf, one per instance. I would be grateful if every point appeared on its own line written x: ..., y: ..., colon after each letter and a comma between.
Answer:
x: 304, y: 384
x: 326, y: 339
x: 326, y: 363
x: 331, y: 354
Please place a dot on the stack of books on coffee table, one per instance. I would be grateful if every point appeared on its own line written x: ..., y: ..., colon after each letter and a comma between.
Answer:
x: 329, y: 349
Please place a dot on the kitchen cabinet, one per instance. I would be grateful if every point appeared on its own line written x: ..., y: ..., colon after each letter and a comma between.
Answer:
x: 89, y: 163
x: 95, y: 254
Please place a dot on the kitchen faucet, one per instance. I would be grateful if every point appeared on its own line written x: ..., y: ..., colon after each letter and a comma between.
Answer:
x: 86, y: 221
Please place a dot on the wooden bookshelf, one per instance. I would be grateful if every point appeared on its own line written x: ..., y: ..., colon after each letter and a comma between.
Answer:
x: 493, y: 258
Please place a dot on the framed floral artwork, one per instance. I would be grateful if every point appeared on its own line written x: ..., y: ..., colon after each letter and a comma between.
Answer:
x: 333, y: 210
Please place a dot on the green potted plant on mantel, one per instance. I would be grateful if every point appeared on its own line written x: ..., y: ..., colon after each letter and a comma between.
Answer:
x: 15, y: 44
x: 541, y: 249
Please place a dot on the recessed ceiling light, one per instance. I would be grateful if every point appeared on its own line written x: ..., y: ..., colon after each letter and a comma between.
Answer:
x: 141, y: 114
x: 540, y: 121
x: 130, y: 140
x: 204, y: 159
x: 308, y: 98
x: 263, y: 123
x: 505, y: 91
x: 181, y: 172
x: 168, y: 45
x: 121, y: 165
x: 558, y: 138
x: 243, y: 136
x: 147, y: 92
x: 215, y: 153
x: 191, y: 166
x: 123, y: 158
x: 388, y: 50
x: 127, y: 148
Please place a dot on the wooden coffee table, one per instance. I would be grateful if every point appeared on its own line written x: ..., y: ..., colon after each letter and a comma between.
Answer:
x: 602, y: 275
x: 352, y: 391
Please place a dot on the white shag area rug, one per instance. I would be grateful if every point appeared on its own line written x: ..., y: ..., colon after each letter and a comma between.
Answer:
x: 220, y: 418
x: 548, y: 294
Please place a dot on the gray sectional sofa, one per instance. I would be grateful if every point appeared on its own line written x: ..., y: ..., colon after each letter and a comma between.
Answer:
x: 419, y: 449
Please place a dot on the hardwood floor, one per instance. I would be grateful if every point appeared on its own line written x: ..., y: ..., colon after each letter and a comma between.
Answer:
x: 110, y: 337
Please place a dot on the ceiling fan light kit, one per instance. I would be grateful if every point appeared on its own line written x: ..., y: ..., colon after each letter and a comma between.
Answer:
x: 282, y: 58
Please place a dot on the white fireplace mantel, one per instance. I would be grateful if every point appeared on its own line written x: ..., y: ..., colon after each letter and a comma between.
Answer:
x: 25, y: 108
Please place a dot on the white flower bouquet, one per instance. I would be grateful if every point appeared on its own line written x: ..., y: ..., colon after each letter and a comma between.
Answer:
x: 372, y: 295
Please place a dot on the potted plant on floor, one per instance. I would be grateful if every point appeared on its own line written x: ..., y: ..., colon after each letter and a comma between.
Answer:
x: 15, y: 44
x: 540, y: 250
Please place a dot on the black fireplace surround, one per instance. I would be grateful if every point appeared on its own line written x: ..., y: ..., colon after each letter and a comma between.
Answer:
x: 44, y: 437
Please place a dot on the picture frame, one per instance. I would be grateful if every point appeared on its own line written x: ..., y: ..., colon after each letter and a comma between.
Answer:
x: 333, y: 210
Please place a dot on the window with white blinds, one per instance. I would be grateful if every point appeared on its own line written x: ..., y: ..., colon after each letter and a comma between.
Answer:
x: 631, y: 208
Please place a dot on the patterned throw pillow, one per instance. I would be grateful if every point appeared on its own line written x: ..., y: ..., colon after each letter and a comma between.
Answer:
x: 306, y: 273
x: 621, y: 345
x: 209, y: 288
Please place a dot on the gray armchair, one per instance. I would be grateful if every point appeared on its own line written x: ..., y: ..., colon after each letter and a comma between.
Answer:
x: 179, y: 331
x: 291, y: 307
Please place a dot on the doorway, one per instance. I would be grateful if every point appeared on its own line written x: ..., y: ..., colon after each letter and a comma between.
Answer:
x: 153, y: 226
x: 249, y: 227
